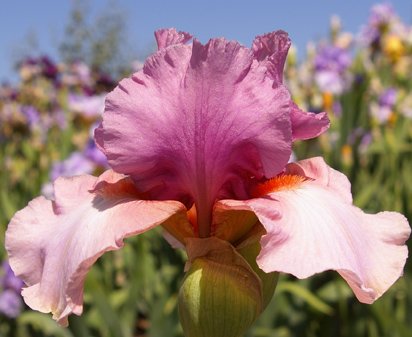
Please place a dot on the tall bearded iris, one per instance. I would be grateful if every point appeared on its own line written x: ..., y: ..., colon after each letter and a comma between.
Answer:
x: 199, y: 142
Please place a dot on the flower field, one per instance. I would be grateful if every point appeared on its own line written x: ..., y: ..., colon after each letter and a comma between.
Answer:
x: 363, y: 82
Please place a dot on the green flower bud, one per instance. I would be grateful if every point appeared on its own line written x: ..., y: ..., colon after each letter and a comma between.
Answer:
x: 221, y: 295
x: 250, y: 250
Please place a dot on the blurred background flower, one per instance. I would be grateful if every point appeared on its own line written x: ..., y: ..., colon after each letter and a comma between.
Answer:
x: 11, y: 302
x: 331, y: 65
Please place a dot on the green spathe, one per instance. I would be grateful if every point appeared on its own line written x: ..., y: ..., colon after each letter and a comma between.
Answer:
x: 249, y: 251
x: 221, y: 295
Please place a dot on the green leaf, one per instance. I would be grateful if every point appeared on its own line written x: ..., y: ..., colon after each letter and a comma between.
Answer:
x: 43, y: 323
x: 311, y: 299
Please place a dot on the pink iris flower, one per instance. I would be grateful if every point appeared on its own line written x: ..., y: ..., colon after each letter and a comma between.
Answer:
x: 199, y: 142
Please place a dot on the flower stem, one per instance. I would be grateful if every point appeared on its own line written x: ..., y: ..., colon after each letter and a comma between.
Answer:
x: 204, y: 219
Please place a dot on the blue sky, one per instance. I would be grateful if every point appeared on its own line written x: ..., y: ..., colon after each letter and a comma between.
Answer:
x: 240, y: 20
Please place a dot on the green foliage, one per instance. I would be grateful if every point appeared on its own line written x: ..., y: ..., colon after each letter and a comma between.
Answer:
x: 98, y: 41
x: 75, y: 44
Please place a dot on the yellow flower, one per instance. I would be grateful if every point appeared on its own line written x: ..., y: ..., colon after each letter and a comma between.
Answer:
x: 347, y: 155
x: 327, y: 101
x: 393, y: 47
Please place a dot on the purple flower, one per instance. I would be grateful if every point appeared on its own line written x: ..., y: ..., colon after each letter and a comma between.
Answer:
x: 383, y: 109
x: 49, y: 68
x: 333, y: 59
x: 88, y: 106
x: 10, y: 298
x: 388, y: 98
x: 38, y: 66
x: 8, y: 280
x: 331, y: 64
x: 93, y: 153
x: 31, y: 114
x: 10, y: 303
x: 337, y: 108
x: 76, y: 164
x: 381, y: 15
x: 366, y: 140
x: 380, y: 113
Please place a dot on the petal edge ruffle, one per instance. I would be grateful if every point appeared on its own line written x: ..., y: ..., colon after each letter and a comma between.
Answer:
x: 205, y: 115
x: 314, y: 227
x: 168, y: 37
x: 53, y: 244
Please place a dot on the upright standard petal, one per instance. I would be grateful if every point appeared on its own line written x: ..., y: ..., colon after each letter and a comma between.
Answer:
x: 306, y: 125
x: 271, y: 51
x: 194, y: 121
x: 312, y: 226
x: 168, y: 37
x: 53, y: 244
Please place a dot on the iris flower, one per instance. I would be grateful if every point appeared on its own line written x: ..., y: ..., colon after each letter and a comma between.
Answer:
x: 198, y: 142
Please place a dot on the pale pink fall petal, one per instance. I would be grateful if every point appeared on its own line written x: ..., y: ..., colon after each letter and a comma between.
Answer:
x: 271, y: 51
x: 53, y: 244
x: 197, y: 121
x: 323, y: 175
x: 168, y: 37
x: 313, y: 227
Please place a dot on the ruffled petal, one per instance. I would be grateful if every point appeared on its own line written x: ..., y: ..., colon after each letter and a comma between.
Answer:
x: 313, y: 226
x: 306, y: 125
x: 196, y: 119
x: 53, y: 244
x: 271, y: 51
x: 322, y: 174
x: 168, y: 37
